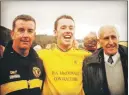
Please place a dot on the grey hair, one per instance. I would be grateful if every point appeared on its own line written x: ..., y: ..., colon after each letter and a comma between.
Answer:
x: 101, y: 30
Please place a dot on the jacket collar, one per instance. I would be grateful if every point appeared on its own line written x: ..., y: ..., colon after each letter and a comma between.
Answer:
x: 9, y: 52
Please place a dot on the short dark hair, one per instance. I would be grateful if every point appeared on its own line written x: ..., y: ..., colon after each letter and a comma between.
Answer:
x: 61, y: 17
x: 23, y: 17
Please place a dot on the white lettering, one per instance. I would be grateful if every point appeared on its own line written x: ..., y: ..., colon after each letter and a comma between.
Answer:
x: 14, y: 76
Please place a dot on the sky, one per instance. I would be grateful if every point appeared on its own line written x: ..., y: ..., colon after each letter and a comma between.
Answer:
x: 88, y: 15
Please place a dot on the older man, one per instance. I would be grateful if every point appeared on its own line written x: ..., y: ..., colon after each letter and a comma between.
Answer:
x: 90, y: 42
x: 106, y: 71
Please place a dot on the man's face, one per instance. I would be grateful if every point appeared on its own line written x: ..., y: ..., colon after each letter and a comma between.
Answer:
x: 109, y: 41
x: 23, y: 34
x: 91, y: 42
x: 65, y: 32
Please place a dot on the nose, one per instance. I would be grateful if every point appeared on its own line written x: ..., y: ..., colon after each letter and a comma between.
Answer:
x: 68, y: 28
x: 25, y: 34
x: 110, y: 41
x: 68, y: 32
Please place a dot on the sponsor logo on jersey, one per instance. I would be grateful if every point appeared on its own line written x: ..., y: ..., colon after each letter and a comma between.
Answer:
x: 14, y: 75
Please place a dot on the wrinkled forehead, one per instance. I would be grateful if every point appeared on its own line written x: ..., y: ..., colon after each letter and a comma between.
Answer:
x: 23, y: 23
x: 108, y: 32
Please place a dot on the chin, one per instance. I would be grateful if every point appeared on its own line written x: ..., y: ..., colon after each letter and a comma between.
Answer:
x: 67, y: 43
x: 112, y: 53
x: 25, y: 47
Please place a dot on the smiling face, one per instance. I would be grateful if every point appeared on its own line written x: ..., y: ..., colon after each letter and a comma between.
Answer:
x: 65, y: 32
x: 90, y: 41
x: 23, y: 34
x: 109, y: 40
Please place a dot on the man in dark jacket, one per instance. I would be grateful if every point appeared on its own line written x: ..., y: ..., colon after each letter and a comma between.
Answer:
x: 4, y: 38
x: 106, y: 71
x: 21, y: 70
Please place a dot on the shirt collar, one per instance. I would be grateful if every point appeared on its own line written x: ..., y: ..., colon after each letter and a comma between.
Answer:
x: 114, y: 57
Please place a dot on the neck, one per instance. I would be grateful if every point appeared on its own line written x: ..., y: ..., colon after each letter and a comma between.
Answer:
x: 64, y: 47
x: 22, y: 52
x: 111, y: 54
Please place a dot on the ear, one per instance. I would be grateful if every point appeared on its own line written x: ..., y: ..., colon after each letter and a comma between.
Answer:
x: 55, y: 33
x: 118, y: 38
x: 34, y: 35
x: 12, y: 34
x: 99, y: 42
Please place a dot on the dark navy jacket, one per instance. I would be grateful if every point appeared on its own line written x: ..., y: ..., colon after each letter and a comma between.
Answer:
x: 21, y: 75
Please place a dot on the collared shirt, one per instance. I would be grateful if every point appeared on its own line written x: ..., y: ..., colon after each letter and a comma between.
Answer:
x: 114, y: 57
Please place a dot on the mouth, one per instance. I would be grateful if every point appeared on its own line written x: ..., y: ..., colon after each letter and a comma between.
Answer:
x: 67, y: 37
x: 111, y: 48
x: 25, y: 42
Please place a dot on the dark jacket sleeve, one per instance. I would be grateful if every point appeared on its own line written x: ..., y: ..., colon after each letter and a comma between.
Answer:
x: 92, y: 77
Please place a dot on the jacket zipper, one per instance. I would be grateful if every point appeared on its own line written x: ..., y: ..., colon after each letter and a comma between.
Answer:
x: 28, y: 84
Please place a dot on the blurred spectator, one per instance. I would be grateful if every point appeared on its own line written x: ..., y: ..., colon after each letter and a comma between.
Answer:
x: 75, y: 44
x: 1, y: 50
x: 50, y: 46
x: 4, y: 38
x: 37, y: 47
x: 90, y: 42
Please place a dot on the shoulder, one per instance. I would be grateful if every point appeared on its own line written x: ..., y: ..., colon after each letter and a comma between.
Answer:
x: 123, y: 49
x: 42, y: 51
x: 45, y: 53
x: 83, y: 52
x: 45, y: 50
x: 3, y: 62
x: 94, y: 58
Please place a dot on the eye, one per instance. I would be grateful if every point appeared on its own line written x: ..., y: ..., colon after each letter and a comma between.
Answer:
x: 113, y: 37
x: 63, y: 27
x: 106, y: 38
x: 30, y: 30
x: 71, y: 27
x: 21, y: 30
x: 94, y: 41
